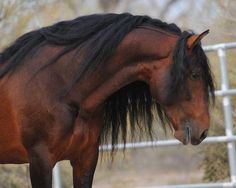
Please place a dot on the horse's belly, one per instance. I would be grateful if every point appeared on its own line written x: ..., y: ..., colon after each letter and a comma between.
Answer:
x: 13, y: 154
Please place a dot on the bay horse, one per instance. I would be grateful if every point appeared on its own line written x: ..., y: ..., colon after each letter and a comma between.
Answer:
x: 65, y: 89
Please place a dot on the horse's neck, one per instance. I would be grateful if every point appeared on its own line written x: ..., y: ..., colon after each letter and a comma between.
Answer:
x: 131, y: 62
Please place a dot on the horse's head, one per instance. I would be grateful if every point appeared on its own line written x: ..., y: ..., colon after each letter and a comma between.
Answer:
x: 185, y: 99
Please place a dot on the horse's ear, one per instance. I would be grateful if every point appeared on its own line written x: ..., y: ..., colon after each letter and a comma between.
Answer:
x: 194, y: 39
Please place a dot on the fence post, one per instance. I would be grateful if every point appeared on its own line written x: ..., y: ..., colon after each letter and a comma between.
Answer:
x: 227, y: 114
x: 56, y: 176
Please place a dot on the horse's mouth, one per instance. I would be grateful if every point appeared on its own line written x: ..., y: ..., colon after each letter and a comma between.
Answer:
x: 187, y: 135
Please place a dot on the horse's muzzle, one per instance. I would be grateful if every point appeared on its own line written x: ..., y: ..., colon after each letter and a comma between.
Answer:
x: 190, y: 135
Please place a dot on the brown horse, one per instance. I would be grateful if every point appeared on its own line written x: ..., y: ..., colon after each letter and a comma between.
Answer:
x: 67, y: 88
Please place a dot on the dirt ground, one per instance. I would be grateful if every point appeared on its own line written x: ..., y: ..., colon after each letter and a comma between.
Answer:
x: 151, y: 167
x: 146, y: 167
x: 136, y: 169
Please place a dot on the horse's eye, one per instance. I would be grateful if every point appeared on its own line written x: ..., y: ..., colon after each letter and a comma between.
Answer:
x: 195, y: 76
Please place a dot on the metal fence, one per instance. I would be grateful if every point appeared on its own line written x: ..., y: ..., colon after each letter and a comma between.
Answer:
x: 229, y: 137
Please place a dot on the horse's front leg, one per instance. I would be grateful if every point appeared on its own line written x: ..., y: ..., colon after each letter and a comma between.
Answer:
x: 84, y: 164
x: 40, y: 167
x: 84, y: 167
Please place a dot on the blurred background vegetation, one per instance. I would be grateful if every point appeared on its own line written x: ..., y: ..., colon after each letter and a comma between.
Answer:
x: 147, y: 166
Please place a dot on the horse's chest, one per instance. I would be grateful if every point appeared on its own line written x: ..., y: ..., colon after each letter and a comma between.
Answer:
x: 84, y: 135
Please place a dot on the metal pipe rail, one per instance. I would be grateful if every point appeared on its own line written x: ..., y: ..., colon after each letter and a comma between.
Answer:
x: 224, y: 93
x: 172, y: 142
x: 215, y: 47
x: 230, y: 138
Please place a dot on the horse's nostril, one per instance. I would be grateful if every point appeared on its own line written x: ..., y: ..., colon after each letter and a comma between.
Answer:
x: 204, y: 135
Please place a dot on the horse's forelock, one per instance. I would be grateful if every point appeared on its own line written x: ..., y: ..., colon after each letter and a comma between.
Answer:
x: 180, y: 68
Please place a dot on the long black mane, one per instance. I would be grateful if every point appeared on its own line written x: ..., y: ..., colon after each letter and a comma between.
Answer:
x: 131, y: 106
x: 100, y: 34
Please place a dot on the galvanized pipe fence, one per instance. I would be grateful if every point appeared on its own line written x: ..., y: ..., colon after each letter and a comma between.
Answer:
x: 225, y: 92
